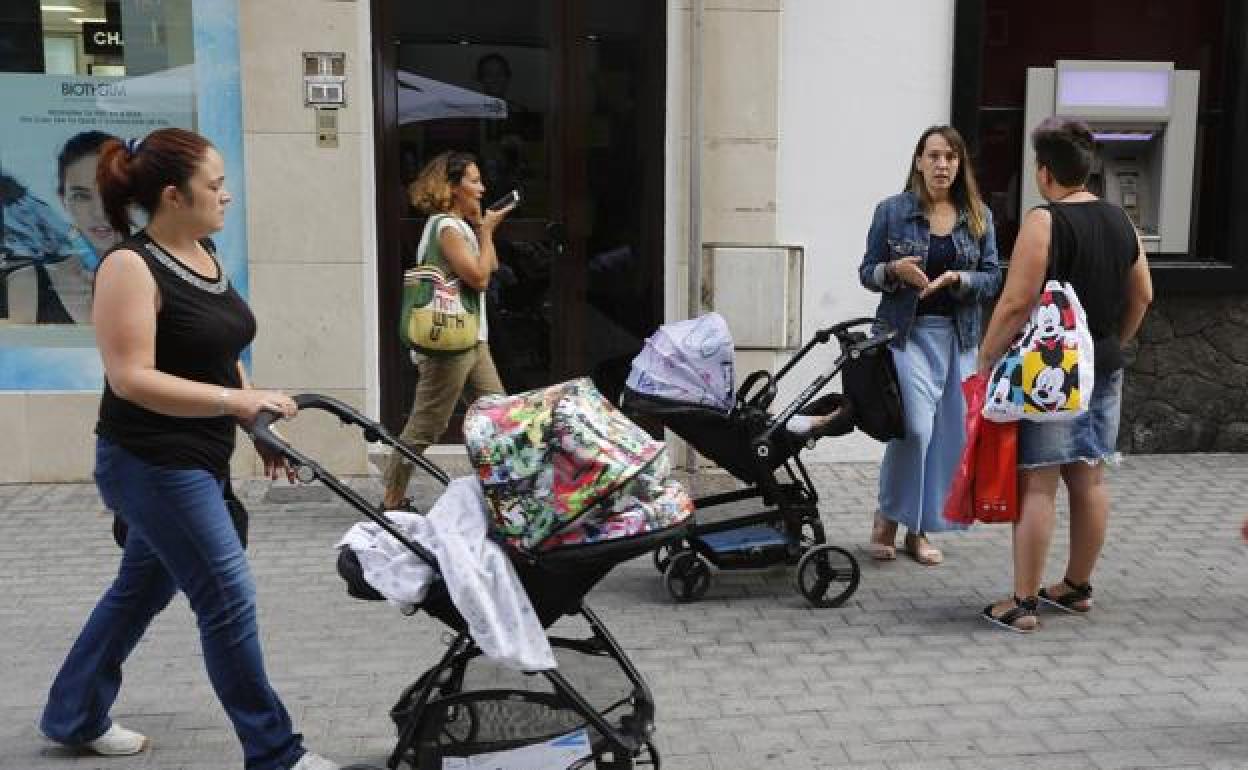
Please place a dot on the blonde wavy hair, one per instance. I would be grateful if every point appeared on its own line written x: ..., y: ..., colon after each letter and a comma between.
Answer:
x: 430, y: 191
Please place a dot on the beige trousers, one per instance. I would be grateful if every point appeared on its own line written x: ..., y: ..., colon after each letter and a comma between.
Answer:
x: 443, y: 380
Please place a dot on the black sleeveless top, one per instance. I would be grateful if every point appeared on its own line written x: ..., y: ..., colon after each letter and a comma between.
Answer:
x: 202, y: 327
x: 1093, y: 246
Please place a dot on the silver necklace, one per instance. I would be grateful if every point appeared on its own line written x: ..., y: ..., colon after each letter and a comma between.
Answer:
x: 212, y: 287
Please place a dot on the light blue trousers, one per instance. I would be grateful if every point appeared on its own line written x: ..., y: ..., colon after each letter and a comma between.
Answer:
x: 917, y: 469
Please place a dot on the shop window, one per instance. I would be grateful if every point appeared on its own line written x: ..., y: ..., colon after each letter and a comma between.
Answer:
x: 997, y: 42
x: 72, y: 74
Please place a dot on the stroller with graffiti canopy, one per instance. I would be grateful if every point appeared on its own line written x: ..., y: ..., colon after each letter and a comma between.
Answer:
x: 684, y: 378
x: 573, y: 488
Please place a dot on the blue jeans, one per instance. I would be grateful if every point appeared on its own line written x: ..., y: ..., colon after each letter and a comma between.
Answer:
x: 918, y: 469
x: 181, y: 538
x: 1092, y: 437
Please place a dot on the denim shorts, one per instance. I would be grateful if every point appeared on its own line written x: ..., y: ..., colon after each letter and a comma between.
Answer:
x: 1090, y: 437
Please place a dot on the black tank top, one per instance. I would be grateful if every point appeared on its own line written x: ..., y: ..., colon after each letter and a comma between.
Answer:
x: 1093, y: 246
x: 202, y: 327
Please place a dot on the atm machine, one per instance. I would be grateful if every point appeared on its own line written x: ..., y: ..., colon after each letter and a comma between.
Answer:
x: 1143, y: 116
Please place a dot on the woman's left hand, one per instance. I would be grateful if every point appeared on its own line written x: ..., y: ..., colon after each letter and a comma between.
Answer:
x: 944, y: 280
x: 274, y: 461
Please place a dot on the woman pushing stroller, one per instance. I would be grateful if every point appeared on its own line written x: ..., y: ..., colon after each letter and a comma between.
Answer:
x: 170, y: 328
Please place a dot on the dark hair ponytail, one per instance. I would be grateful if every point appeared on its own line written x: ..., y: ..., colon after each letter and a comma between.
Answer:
x: 137, y: 172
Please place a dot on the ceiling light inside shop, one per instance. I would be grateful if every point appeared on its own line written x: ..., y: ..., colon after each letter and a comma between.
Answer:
x: 84, y: 20
x: 60, y: 9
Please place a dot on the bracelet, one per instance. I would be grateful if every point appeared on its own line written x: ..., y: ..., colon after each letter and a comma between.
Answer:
x: 225, y: 397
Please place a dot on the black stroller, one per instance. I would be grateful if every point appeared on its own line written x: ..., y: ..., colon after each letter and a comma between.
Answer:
x: 672, y: 381
x: 437, y: 716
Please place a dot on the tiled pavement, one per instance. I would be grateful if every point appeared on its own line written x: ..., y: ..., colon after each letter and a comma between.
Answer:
x: 904, y: 676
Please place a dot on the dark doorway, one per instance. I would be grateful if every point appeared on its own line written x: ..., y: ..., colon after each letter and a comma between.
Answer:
x: 564, y: 101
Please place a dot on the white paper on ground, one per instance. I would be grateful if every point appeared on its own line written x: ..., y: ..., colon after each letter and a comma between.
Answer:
x: 562, y: 752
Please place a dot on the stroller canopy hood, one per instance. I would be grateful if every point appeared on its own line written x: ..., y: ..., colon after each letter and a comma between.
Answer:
x: 690, y: 362
x: 561, y: 466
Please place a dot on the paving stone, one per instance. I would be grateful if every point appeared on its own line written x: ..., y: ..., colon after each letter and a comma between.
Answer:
x: 903, y: 676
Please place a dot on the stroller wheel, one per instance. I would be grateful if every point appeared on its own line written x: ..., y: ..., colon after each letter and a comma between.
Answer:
x: 828, y: 575
x: 687, y: 577
x: 664, y: 553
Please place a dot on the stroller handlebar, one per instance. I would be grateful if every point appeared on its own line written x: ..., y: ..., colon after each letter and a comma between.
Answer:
x: 373, y: 432
x: 271, y: 441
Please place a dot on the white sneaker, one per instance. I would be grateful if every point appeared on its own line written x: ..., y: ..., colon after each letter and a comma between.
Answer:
x: 310, y: 761
x: 118, y: 742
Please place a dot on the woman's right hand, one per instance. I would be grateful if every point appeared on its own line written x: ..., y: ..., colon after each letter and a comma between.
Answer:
x: 491, y: 218
x: 909, y: 270
x: 247, y: 404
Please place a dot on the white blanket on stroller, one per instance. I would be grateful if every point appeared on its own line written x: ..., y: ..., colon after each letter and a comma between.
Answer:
x: 479, y: 576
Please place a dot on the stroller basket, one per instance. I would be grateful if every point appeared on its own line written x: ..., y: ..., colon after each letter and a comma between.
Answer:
x: 437, y: 716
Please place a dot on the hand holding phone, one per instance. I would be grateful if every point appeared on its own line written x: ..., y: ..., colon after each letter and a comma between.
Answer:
x: 510, y: 199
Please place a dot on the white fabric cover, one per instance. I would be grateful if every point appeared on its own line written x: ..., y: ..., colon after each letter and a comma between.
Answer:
x: 688, y: 361
x: 479, y: 577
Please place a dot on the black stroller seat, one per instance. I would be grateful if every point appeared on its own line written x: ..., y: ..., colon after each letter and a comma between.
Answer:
x: 739, y: 433
x: 439, y: 716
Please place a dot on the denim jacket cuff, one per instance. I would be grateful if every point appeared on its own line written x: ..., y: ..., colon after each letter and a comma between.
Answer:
x: 963, y: 287
x: 883, y: 279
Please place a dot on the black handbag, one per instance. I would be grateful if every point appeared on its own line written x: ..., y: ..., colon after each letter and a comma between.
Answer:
x: 238, y: 514
x: 870, y: 382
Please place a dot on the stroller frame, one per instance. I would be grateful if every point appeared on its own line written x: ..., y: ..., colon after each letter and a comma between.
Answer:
x: 826, y: 575
x: 427, y: 707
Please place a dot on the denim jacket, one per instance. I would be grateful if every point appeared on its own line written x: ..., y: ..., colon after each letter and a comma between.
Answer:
x: 900, y: 229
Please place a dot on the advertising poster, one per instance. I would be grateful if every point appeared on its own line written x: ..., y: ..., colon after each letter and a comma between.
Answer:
x: 52, y: 227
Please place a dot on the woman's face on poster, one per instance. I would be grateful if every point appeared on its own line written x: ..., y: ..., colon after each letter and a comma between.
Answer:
x: 82, y: 201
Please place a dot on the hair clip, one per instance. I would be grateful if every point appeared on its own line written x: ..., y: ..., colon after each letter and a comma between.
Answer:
x: 132, y: 146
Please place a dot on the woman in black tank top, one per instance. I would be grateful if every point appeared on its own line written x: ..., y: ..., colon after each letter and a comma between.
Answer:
x: 1093, y: 245
x: 171, y: 328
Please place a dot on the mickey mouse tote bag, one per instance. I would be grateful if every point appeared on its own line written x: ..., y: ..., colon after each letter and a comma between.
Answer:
x: 1047, y: 373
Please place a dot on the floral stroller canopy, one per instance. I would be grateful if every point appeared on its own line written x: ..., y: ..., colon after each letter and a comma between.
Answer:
x: 561, y: 466
x: 690, y: 362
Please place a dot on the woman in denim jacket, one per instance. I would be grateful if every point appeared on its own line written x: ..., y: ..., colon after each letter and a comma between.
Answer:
x: 932, y: 254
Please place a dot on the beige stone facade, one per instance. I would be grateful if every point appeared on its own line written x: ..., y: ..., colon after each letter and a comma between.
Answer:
x: 311, y: 211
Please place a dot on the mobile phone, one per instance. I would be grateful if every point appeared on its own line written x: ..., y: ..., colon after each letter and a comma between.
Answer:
x: 509, y: 199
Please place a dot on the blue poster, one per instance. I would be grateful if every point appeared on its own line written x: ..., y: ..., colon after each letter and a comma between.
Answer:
x: 52, y: 227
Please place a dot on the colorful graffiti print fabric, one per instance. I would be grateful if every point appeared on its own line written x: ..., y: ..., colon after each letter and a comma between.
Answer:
x: 1047, y: 373
x: 563, y: 461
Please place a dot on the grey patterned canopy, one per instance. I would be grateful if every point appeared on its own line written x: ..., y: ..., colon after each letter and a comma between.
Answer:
x: 689, y: 362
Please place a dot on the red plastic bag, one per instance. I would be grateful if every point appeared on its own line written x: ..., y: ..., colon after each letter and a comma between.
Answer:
x: 985, y: 484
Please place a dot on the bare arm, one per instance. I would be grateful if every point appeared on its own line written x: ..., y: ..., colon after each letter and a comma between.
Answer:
x: 1139, y: 297
x: 124, y: 313
x: 1028, y: 266
x: 473, y: 269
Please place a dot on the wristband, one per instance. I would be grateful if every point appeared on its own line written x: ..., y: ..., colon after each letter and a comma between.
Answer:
x: 222, y: 407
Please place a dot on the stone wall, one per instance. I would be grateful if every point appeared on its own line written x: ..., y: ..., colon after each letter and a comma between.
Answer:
x: 1186, y: 387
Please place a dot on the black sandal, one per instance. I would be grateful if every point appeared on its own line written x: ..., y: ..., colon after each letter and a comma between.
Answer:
x: 1067, y: 602
x: 1023, y: 608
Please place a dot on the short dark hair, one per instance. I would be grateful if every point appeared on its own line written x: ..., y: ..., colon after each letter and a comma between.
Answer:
x: 1066, y: 148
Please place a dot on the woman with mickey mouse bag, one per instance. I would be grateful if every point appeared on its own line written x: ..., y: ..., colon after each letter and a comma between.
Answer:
x: 1092, y: 253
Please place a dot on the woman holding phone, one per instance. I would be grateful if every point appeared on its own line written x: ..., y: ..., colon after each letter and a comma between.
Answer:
x: 450, y: 185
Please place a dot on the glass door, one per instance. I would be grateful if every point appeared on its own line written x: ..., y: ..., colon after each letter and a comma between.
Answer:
x: 563, y: 101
